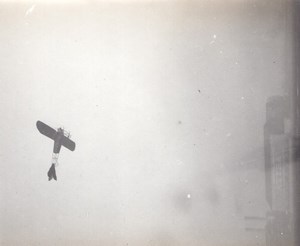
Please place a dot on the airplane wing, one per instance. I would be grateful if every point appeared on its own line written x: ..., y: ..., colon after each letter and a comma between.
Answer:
x: 68, y: 143
x: 46, y: 130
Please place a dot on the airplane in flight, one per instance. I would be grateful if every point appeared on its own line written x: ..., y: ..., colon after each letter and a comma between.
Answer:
x: 61, y: 138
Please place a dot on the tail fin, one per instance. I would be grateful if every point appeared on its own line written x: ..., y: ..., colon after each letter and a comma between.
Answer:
x: 52, y: 173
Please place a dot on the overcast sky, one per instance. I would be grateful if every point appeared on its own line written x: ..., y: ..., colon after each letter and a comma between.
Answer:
x: 163, y: 99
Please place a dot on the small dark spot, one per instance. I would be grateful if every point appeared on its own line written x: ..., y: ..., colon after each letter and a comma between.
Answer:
x: 179, y: 122
x: 274, y: 61
x: 199, y: 91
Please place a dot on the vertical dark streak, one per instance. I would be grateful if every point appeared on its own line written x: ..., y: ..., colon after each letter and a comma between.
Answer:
x: 296, y: 99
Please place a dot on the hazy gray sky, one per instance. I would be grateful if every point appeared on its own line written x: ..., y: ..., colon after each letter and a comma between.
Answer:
x: 163, y: 99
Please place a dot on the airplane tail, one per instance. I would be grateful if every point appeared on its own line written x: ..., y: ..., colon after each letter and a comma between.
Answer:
x: 52, y: 172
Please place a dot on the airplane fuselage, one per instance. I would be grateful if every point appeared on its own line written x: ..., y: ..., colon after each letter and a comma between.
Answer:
x: 58, y: 141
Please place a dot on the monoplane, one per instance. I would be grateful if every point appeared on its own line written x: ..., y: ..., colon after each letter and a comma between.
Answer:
x: 61, y: 138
